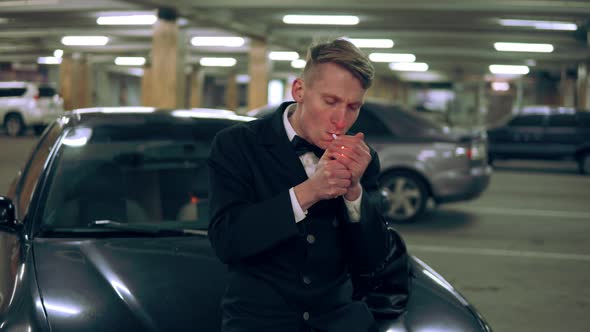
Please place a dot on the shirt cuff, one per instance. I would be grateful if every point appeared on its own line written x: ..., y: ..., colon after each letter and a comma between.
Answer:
x: 354, y: 208
x: 297, y: 210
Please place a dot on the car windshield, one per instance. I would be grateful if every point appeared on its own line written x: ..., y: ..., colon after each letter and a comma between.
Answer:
x: 142, y: 174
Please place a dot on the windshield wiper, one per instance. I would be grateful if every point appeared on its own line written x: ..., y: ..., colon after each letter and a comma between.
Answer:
x: 142, y: 229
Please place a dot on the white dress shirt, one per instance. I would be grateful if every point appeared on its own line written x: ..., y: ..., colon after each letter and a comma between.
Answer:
x: 310, y: 161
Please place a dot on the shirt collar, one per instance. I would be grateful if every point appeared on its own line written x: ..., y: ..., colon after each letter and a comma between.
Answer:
x: 288, y: 127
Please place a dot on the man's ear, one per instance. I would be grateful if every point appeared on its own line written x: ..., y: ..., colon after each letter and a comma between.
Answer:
x: 297, y: 90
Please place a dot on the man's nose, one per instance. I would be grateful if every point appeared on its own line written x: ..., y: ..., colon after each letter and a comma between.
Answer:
x: 338, y: 117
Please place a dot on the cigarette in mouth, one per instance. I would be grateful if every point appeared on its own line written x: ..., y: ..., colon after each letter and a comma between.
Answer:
x: 334, y: 136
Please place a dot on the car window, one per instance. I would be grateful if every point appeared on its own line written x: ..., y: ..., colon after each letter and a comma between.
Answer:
x: 562, y: 120
x: 132, y: 173
x: 32, y: 171
x: 45, y: 91
x: 532, y: 120
x: 12, y: 92
x: 370, y: 125
x: 584, y: 119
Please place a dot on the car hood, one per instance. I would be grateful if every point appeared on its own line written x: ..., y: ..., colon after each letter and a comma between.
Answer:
x: 175, y: 284
x: 131, y: 284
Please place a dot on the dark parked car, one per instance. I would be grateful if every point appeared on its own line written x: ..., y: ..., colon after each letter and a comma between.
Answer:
x: 544, y: 133
x: 420, y: 159
x: 105, y: 230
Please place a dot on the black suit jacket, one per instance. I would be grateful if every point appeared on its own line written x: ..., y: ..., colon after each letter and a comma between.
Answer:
x: 285, y: 273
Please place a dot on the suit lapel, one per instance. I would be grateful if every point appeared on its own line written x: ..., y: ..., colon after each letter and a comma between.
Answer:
x: 275, y: 140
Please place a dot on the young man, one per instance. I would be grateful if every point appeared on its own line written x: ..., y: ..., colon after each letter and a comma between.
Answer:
x: 292, y: 225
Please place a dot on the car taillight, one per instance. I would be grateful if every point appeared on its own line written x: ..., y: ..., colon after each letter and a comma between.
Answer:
x: 36, y: 97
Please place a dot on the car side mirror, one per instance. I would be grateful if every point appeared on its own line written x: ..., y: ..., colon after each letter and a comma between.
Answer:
x: 7, y: 214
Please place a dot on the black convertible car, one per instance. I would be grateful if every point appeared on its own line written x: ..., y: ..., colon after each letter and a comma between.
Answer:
x: 105, y: 230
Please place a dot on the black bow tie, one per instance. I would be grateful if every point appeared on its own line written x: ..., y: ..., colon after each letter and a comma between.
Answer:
x: 302, y: 147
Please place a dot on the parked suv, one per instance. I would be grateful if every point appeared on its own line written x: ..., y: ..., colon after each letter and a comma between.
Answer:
x: 420, y: 160
x: 544, y: 133
x: 28, y: 105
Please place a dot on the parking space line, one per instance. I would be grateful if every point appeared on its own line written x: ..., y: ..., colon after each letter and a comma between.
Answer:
x: 532, y: 213
x: 499, y: 252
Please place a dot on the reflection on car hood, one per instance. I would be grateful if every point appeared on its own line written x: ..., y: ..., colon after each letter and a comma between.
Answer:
x: 137, y: 284
x: 176, y: 283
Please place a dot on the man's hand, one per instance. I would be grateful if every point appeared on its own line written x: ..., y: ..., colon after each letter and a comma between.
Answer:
x: 353, y: 153
x: 330, y: 180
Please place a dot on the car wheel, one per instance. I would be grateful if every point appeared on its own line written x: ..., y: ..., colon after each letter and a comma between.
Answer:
x: 13, y: 125
x: 584, y: 163
x: 404, y: 196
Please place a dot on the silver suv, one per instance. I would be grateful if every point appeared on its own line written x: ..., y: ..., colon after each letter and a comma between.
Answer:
x: 420, y: 160
x: 28, y: 105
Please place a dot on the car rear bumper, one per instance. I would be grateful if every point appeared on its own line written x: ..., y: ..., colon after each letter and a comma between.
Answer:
x: 461, y: 186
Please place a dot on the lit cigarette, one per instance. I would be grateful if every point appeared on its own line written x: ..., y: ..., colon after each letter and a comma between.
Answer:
x: 334, y: 136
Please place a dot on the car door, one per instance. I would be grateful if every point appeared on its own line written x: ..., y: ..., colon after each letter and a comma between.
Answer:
x: 522, y: 137
x: 561, y: 136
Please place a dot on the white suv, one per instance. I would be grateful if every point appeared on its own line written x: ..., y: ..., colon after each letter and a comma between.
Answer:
x: 28, y: 105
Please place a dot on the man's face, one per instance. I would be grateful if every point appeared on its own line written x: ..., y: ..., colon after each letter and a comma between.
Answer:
x: 328, y: 102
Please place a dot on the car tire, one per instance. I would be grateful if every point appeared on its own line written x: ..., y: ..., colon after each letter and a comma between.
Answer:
x: 14, y: 125
x: 584, y: 163
x: 403, y: 196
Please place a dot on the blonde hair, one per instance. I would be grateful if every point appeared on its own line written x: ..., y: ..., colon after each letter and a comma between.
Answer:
x: 343, y: 53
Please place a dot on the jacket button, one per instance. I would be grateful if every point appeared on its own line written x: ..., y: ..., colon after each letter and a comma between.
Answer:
x: 306, y: 280
x: 310, y: 239
x: 306, y: 315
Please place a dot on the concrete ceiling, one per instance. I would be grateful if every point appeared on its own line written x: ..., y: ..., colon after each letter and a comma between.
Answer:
x: 454, y: 37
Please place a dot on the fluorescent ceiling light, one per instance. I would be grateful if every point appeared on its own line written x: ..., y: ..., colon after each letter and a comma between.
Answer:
x: 298, y: 63
x: 371, y: 43
x: 283, y: 56
x: 217, y: 62
x: 129, y: 61
x: 3, y: 20
x: 500, y: 86
x: 424, y: 76
x: 321, y: 19
x: 541, y: 25
x: 127, y: 20
x: 507, y: 69
x: 84, y: 40
x: 48, y: 60
x: 523, y: 47
x: 58, y: 53
x: 218, y: 41
x: 242, y: 78
x: 409, y: 66
x: 392, y: 57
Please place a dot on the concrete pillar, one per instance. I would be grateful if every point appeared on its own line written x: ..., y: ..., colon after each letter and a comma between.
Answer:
x: 168, y: 46
x: 518, y: 103
x: 147, y: 89
x: 382, y: 89
x: 75, y: 82
x: 567, y: 90
x: 582, y: 87
x: 231, y: 92
x: 258, y: 68
x: 196, y: 87
x: 482, y: 103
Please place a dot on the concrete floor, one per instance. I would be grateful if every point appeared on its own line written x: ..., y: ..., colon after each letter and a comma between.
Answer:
x: 519, y: 253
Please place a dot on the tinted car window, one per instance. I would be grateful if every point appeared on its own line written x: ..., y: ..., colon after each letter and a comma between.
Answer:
x: 132, y: 173
x: 532, y: 120
x: 562, y: 120
x: 46, y: 92
x: 370, y: 125
x: 12, y: 92
x: 584, y: 119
